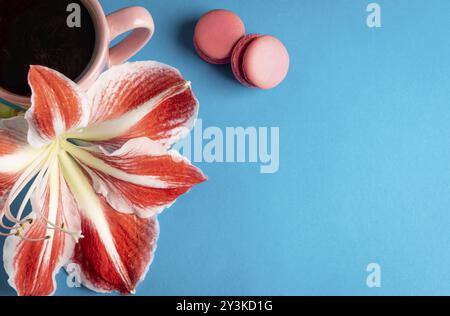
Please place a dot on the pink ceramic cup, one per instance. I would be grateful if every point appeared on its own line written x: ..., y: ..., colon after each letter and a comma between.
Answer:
x: 135, y: 19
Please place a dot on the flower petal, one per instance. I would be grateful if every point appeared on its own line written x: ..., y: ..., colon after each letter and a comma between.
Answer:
x: 117, y: 249
x: 33, y: 260
x: 15, y: 153
x: 122, y: 254
x: 58, y: 105
x: 142, y: 99
x: 141, y: 178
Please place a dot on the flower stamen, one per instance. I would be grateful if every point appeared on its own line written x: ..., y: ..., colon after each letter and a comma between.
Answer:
x: 76, y: 235
x: 7, y: 234
x: 21, y: 184
x: 20, y: 234
x: 31, y: 190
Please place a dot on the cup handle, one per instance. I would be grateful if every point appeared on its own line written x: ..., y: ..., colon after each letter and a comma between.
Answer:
x: 135, y: 19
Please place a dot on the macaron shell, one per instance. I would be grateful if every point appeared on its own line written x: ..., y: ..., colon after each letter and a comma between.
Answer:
x: 216, y: 33
x: 238, y: 55
x: 266, y: 62
x: 208, y: 59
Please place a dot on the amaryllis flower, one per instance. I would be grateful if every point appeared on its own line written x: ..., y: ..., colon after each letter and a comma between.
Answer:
x: 97, y: 168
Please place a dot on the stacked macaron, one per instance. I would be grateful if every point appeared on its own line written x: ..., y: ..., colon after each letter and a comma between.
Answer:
x: 260, y: 61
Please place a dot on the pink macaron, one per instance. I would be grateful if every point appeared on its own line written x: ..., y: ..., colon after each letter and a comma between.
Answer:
x: 216, y: 33
x: 260, y: 61
x: 237, y: 58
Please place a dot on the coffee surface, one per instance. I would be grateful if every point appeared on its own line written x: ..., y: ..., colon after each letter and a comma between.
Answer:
x: 36, y: 32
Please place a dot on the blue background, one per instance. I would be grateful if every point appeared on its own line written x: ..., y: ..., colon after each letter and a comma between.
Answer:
x: 364, y: 155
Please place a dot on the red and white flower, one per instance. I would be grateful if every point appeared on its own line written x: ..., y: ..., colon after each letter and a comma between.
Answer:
x: 97, y: 168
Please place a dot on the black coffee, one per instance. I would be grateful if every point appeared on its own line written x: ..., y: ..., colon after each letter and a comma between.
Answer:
x: 37, y: 32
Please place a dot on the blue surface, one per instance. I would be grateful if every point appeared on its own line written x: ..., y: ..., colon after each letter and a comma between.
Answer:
x: 364, y: 155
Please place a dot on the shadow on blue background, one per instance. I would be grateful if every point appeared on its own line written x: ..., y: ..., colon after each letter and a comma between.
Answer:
x: 364, y: 156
